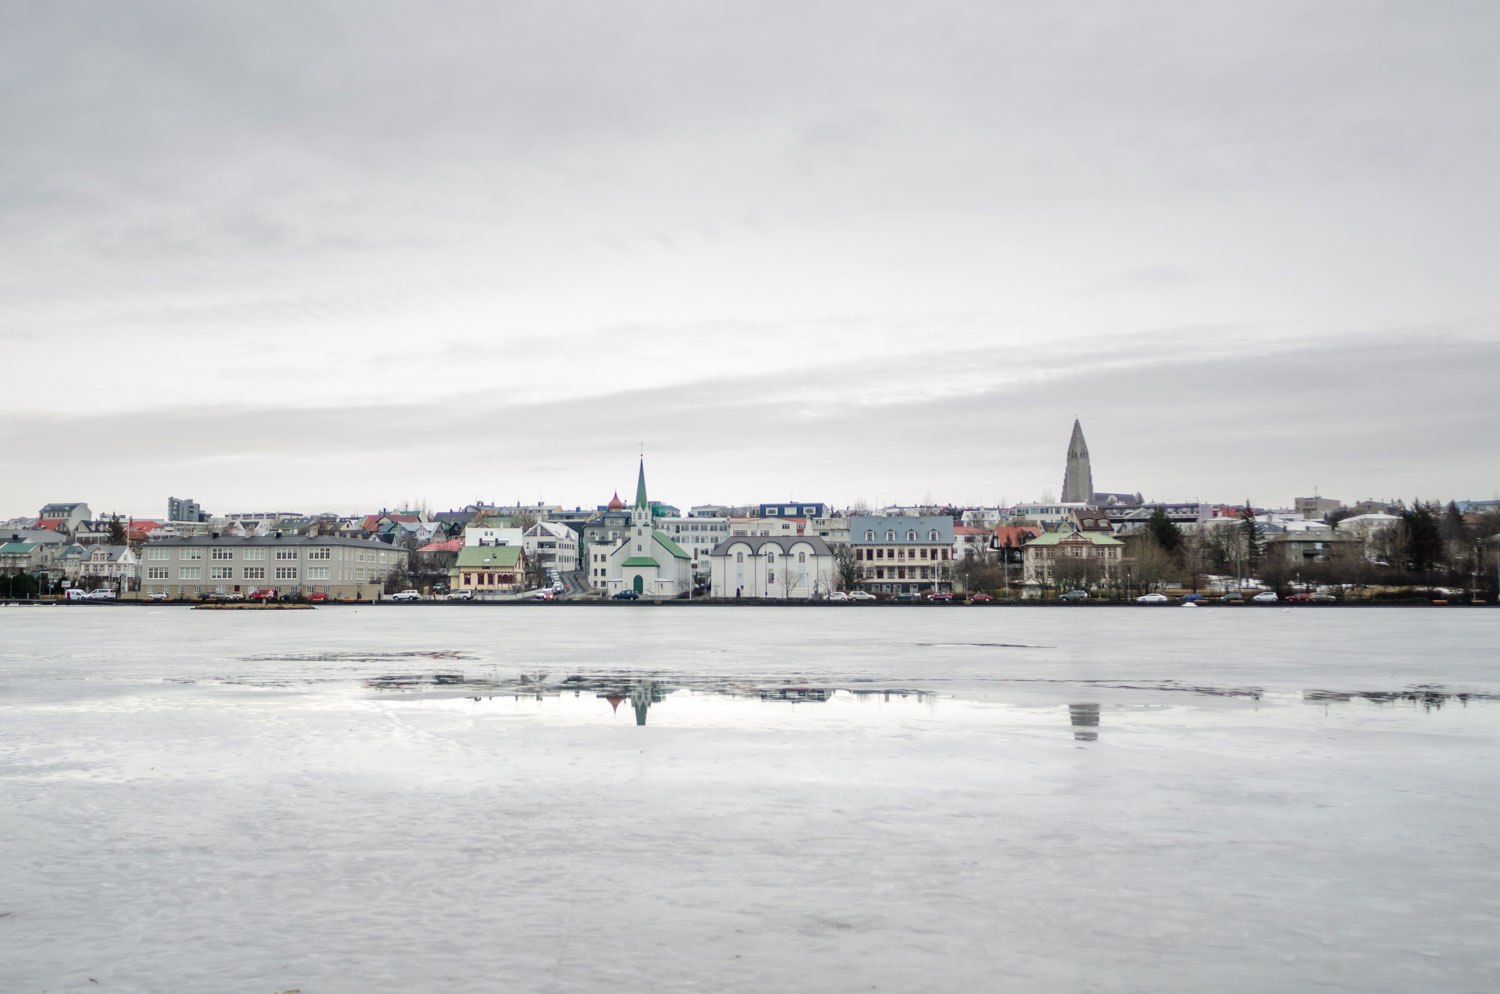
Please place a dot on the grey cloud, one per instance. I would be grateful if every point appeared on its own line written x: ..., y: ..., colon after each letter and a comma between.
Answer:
x: 1353, y: 422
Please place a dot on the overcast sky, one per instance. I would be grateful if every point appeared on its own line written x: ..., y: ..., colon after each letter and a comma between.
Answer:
x: 313, y: 256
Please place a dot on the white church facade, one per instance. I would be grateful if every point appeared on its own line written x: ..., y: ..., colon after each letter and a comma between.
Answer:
x: 647, y: 561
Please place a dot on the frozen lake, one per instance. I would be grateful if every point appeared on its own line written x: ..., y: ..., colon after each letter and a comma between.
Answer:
x: 465, y: 799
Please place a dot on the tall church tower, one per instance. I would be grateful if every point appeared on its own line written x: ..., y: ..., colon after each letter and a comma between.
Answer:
x: 640, y: 514
x: 1078, y: 480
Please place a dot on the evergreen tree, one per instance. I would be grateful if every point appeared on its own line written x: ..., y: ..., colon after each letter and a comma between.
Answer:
x: 1250, y: 533
x: 116, y: 531
x: 1164, y: 532
x: 1421, y: 537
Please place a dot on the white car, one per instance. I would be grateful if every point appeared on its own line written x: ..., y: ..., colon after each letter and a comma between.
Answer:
x: 1151, y: 599
x: 861, y: 595
x: 406, y: 595
x: 838, y: 595
x: 1265, y: 597
x: 461, y: 595
x: 102, y: 594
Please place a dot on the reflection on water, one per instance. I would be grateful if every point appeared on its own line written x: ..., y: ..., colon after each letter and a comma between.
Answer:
x: 1426, y: 696
x: 1085, y: 719
x: 640, y: 690
x: 728, y: 701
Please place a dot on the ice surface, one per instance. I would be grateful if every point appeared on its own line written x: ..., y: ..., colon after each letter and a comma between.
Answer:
x: 1091, y: 800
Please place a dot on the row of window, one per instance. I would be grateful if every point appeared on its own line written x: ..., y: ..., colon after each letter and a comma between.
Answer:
x: 911, y: 535
x: 907, y: 572
x: 903, y: 553
x: 248, y: 573
x: 770, y: 555
x: 255, y: 555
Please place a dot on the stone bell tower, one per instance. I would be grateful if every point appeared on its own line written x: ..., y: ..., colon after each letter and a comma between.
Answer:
x: 1078, y: 480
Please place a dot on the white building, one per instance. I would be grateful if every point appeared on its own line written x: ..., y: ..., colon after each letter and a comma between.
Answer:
x: 553, y: 545
x: 766, y: 527
x: 697, y: 535
x: 794, y: 567
x: 116, y: 564
x: 1048, y: 514
x: 480, y: 535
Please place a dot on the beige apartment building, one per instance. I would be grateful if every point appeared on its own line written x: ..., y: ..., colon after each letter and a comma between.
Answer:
x: 342, y: 568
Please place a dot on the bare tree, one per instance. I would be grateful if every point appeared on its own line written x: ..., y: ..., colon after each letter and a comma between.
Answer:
x: 846, y: 567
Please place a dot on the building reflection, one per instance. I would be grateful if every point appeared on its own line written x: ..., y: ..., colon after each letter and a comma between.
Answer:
x: 1427, y: 698
x: 1085, y: 720
x: 642, y: 691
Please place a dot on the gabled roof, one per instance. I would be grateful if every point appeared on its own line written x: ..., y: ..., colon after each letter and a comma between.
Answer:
x: 1019, y: 535
x: 1055, y: 538
x: 51, y: 524
x: 17, y: 548
x: 452, y: 545
x: 671, y: 546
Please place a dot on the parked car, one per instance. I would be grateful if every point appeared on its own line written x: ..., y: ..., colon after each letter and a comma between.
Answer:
x: 1190, y: 598
x: 102, y: 594
x: 76, y: 594
x: 318, y: 597
x: 983, y: 598
x: 907, y: 597
x: 1151, y: 599
x: 461, y: 595
x: 406, y: 595
x: 941, y: 597
x: 627, y: 595
x: 861, y: 595
x: 266, y: 594
x: 838, y: 595
x: 1074, y: 595
x: 547, y: 595
x: 157, y: 595
x: 1265, y: 597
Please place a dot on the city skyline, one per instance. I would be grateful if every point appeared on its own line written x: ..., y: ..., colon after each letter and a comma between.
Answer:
x: 331, y: 256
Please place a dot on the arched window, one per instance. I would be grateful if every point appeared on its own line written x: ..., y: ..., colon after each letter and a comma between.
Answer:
x: 770, y: 558
x: 869, y: 534
x: 890, y: 535
x: 801, y: 557
x: 739, y: 557
x: 911, y: 534
x: 932, y: 535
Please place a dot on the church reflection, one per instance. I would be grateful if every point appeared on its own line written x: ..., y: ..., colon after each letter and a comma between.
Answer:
x: 1085, y: 720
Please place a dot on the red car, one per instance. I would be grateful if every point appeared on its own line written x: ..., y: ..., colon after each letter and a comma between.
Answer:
x: 263, y: 595
x: 317, y: 597
x: 982, y: 598
x: 940, y: 596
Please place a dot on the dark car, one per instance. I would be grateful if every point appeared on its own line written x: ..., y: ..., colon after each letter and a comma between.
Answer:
x: 627, y: 595
x: 1188, y: 598
x: 1074, y: 595
x: 907, y: 597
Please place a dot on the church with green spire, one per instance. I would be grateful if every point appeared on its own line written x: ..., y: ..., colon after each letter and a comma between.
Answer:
x: 647, y: 561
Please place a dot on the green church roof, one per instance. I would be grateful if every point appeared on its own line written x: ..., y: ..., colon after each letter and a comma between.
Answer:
x: 671, y: 546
